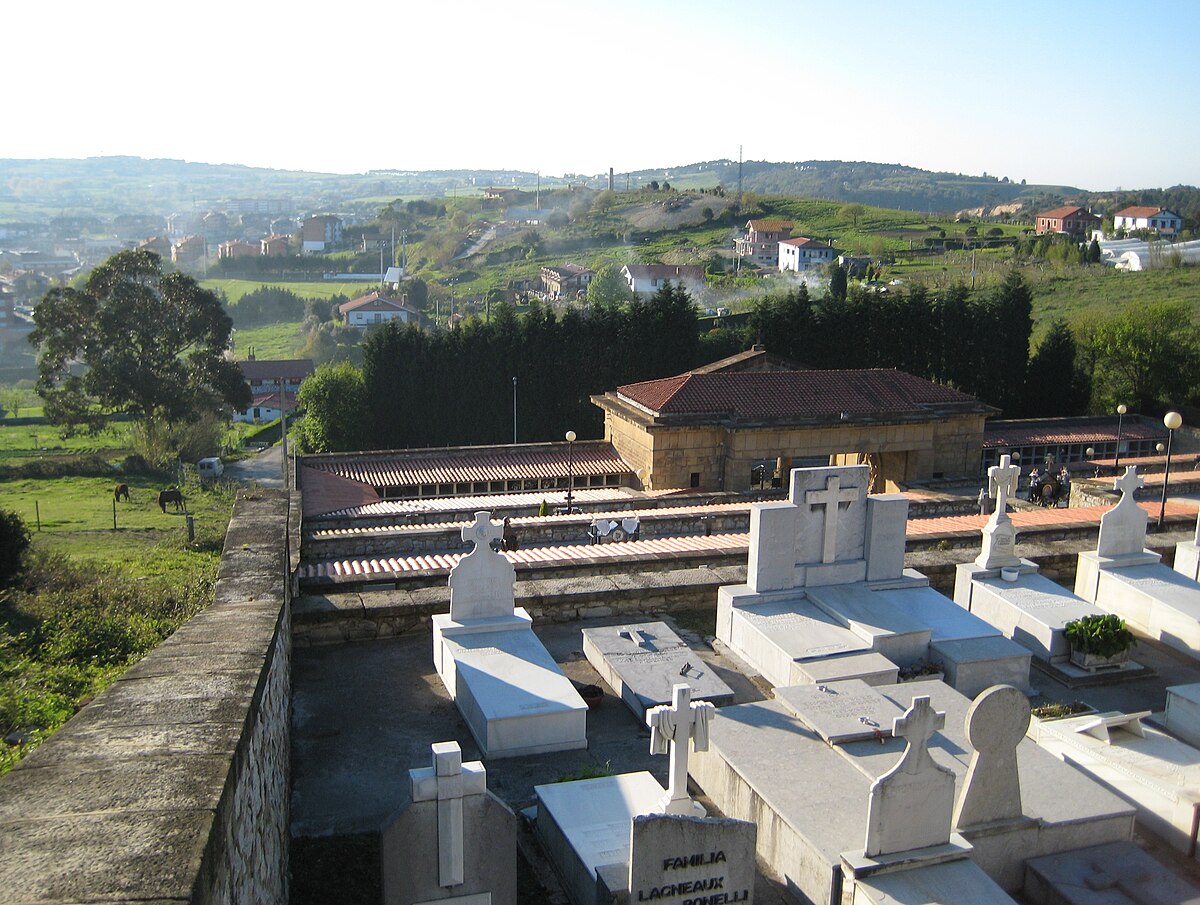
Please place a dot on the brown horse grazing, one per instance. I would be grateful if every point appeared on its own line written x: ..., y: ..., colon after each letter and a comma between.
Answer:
x: 121, y: 490
x: 171, y: 495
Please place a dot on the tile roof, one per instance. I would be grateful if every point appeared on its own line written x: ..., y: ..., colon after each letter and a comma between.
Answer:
x: 1141, y: 212
x: 1060, y: 213
x: 1067, y: 430
x: 372, y: 301
x: 259, y: 369
x: 769, y: 226
x: 801, y: 241
x: 796, y: 394
x: 472, y: 464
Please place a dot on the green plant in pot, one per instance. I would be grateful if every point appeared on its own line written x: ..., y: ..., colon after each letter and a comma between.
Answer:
x: 1099, y: 640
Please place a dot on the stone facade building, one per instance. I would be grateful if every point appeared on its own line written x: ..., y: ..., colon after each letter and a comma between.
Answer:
x: 728, y: 430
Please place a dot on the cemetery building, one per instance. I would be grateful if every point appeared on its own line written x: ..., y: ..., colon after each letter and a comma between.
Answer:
x: 1067, y: 440
x: 710, y: 430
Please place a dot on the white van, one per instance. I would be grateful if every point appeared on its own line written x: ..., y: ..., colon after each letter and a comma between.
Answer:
x: 211, y: 467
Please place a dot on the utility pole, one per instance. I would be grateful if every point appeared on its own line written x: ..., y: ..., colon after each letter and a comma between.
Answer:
x: 514, y: 411
x: 739, y: 198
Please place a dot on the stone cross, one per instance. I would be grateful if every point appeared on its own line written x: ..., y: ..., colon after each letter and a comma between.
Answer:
x: 1002, y: 481
x: 1123, y: 528
x: 912, y: 804
x: 674, y: 725
x: 482, y: 531
x: 996, y: 723
x: 830, y: 498
x: 447, y: 782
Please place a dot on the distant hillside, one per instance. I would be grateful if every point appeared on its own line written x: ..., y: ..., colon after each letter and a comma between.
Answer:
x: 104, y: 187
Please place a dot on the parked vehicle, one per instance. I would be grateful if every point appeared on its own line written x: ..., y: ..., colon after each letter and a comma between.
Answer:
x: 209, y: 468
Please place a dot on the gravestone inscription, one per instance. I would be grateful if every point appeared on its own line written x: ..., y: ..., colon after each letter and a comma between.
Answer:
x: 677, y: 859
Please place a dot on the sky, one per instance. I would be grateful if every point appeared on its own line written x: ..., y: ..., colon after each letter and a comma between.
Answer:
x: 1097, y: 95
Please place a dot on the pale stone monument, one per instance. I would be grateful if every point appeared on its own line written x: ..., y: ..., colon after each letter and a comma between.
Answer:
x: 672, y: 728
x: 827, y: 597
x: 911, y: 805
x: 642, y: 663
x: 1187, y: 555
x: 1122, y: 577
x: 675, y: 858
x: 1000, y: 534
x: 995, y: 725
x: 513, y: 696
x: 455, y: 841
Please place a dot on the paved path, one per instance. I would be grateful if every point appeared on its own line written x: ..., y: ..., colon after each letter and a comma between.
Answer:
x: 264, y: 469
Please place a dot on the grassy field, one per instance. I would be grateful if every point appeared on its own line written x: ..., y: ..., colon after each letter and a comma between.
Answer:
x: 316, y: 289
x: 19, y: 441
x: 269, y: 341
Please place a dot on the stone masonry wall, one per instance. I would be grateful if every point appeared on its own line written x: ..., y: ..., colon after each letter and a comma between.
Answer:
x: 173, y: 783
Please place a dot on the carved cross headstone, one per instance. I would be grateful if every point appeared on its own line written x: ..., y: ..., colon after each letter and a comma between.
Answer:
x: 1000, y: 534
x: 447, y: 782
x: 996, y: 723
x: 1123, y: 528
x: 831, y: 498
x: 481, y: 585
x: 1002, y: 482
x: 671, y: 727
x: 911, y: 804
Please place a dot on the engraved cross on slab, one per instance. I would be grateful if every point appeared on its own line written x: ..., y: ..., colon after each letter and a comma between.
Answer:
x: 830, y: 498
x: 448, y: 781
x: 672, y: 726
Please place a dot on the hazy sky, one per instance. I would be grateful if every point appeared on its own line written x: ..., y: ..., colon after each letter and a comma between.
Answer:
x: 1094, y: 94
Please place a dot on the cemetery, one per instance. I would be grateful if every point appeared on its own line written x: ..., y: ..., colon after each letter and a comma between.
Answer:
x: 820, y: 725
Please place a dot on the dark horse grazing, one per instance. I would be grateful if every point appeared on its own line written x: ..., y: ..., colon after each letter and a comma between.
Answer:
x: 121, y: 490
x: 171, y: 495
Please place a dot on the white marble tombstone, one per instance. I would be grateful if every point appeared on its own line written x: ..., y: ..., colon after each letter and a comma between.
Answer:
x: 673, y: 728
x: 912, y: 804
x: 512, y: 694
x: 454, y: 842
x: 995, y: 725
x: 1000, y: 534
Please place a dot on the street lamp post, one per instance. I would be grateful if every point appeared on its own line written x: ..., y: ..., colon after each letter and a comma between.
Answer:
x: 570, y: 469
x: 1173, y: 421
x: 1121, y: 410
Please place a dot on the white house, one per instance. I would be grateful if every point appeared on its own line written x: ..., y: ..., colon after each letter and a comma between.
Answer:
x: 801, y: 254
x: 374, y: 308
x: 1155, y: 219
x: 266, y: 379
x: 647, y: 279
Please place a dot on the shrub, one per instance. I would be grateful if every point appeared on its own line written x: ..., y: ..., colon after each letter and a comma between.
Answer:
x: 1104, y: 635
x: 14, y: 541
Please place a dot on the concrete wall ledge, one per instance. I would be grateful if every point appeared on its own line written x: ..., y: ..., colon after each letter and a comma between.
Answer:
x: 140, y: 795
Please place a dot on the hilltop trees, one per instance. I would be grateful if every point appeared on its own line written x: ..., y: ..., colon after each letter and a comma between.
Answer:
x: 151, y: 345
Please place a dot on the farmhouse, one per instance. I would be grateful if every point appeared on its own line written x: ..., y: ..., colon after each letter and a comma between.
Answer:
x: 801, y: 254
x: 376, y: 308
x: 1071, y: 220
x: 1156, y: 219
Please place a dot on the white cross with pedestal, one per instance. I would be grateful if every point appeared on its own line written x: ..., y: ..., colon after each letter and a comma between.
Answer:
x: 1002, y: 481
x: 671, y: 727
x: 831, y: 498
x: 448, y: 781
x: 1128, y: 483
x: 482, y: 531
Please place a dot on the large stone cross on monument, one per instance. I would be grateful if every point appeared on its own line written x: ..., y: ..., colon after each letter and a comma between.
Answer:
x: 1000, y: 534
x: 912, y: 804
x: 1123, y: 528
x: 448, y: 781
x: 481, y: 585
x: 672, y: 726
x: 831, y: 498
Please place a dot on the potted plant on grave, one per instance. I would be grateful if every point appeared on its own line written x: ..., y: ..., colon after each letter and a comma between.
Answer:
x: 1099, y: 641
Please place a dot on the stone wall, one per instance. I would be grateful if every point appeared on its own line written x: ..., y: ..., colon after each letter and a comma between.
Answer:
x: 173, y: 783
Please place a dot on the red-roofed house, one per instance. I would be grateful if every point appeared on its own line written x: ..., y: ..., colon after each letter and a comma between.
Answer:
x: 761, y: 242
x: 712, y: 430
x: 236, y: 248
x: 1074, y: 221
x: 1155, y: 219
x: 267, y: 379
x: 376, y: 308
x: 273, y: 246
x: 647, y: 279
x: 320, y: 233
x: 801, y: 254
x: 566, y: 280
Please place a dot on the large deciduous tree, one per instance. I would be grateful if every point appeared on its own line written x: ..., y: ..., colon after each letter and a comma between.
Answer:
x: 134, y: 340
x: 336, y: 415
x: 1146, y: 354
